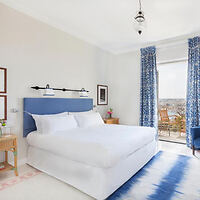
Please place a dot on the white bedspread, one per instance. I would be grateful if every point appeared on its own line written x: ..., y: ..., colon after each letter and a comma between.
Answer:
x: 100, y: 146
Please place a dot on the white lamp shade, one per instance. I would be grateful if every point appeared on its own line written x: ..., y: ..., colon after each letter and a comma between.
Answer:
x: 48, y: 92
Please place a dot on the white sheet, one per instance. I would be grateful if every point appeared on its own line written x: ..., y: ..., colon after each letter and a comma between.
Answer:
x: 100, y: 146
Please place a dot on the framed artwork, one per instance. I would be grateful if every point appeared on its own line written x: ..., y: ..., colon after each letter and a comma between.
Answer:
x: 3, y: 107
x: 3, y: 80
x: 102, y: 95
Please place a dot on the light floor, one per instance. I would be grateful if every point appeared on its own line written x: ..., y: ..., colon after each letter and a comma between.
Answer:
x: 173, y: 136
x: 44, y: 187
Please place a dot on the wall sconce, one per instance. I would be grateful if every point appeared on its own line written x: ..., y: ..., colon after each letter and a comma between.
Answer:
x: 48, y: 91
x: 83, y: 93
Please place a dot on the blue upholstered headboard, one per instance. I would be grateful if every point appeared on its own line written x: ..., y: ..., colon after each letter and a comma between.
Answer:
x: 51, y: 106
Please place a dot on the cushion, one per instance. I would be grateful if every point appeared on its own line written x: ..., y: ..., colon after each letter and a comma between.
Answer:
x: 51, y: 125
x: 38, y: 119
x: 197, y: 143
x: 81, y: 113
x: 92, y: 119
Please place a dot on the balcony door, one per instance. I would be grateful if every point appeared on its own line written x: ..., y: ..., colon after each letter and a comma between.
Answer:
x: 172, y: 82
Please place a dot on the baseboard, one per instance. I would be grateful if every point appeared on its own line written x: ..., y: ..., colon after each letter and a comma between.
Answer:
x: 20, y: 162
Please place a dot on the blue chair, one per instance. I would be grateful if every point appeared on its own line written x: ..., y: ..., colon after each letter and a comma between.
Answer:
x: 195, y: 133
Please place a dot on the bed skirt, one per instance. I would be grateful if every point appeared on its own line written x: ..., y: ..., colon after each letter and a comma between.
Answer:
x: 96, y: 182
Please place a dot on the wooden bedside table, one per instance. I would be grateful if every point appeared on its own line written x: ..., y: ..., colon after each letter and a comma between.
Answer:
x: 111, y: 121
x: 9, y: 143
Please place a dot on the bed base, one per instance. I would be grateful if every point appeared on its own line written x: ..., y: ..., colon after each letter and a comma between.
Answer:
x: 96, y: 182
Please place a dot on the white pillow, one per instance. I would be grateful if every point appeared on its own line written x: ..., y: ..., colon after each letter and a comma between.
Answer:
x: 51, y: 125
x: 81, y: 113
x: 92, y: 119
x: 38, y: 119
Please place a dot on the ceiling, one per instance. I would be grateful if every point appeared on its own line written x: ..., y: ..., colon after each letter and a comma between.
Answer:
x: 109, y: 23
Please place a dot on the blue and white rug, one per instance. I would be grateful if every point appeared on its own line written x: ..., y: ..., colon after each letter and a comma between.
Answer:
x: 166, y: 177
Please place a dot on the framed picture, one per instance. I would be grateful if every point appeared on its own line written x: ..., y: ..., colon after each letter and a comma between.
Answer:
x: 3, y: 80
x: 3, y: 107
x: 102, y: 95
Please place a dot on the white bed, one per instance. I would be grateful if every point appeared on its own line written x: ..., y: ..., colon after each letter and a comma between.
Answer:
x: 96, y: 160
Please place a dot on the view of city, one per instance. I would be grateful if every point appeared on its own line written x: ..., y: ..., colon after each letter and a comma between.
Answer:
x: 172, y: 119
x: 174, y: 106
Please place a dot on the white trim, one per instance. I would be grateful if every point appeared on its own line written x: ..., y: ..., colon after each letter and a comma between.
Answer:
x: 172, y: 61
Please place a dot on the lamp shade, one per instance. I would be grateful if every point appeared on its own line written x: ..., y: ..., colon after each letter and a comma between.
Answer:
x: 49, y: 92
x: 83, y: 93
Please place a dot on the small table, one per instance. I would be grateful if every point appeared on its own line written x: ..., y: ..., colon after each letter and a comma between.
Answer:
x: 111, y: 121
x: 9, y: 143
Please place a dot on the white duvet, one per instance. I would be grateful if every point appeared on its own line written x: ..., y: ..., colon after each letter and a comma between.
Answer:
x: 100, y: 146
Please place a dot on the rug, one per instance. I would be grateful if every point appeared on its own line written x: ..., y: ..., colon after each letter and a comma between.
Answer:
x: 36, y: 185
x: 4, y: 184
x: 167, y: 176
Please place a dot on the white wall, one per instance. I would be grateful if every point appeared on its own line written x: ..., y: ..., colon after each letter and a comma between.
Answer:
x: 124, y: 82
x: 36, y: 54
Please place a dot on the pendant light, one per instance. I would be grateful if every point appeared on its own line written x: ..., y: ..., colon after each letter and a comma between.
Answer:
x: 139, y: 19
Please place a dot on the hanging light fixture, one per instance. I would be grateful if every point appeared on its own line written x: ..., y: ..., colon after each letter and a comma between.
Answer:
x: 139, y: 18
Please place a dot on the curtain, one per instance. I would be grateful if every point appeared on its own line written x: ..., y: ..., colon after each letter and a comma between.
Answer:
x: 193, y: 87
x: 148, y: 90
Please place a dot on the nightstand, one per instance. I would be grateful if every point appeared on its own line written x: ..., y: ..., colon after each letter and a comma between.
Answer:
x: 9, y: 143
x: 111, y: 121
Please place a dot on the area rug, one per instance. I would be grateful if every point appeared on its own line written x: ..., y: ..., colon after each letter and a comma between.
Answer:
x: 36, y: 185
x: 166, y: 177
x: 18, y: 179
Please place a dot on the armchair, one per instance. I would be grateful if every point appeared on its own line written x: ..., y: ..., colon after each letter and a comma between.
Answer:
x: 195, y: 133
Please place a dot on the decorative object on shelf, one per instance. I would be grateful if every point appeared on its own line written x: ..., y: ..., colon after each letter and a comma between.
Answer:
x: 49, y: 91
x: 83, y: 93
x: 139, y: 19
x: 102, y: 95
x: 3, y: 80
x: 2, y: 124
x: 110, y: 112
x: 3, y: 107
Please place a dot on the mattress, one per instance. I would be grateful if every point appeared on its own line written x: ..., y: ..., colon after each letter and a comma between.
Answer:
x: 99, y: 146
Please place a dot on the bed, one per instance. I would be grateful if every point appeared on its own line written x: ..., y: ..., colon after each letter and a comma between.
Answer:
x: 96, y: 160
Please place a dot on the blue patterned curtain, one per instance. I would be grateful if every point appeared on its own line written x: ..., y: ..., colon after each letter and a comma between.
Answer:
x: 193, y: 87
x: 148, y: 90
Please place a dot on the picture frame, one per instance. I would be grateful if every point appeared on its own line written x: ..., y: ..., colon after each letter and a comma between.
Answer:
x: 102, y: 95
x: 3, y: 80
x: 3, y: 107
